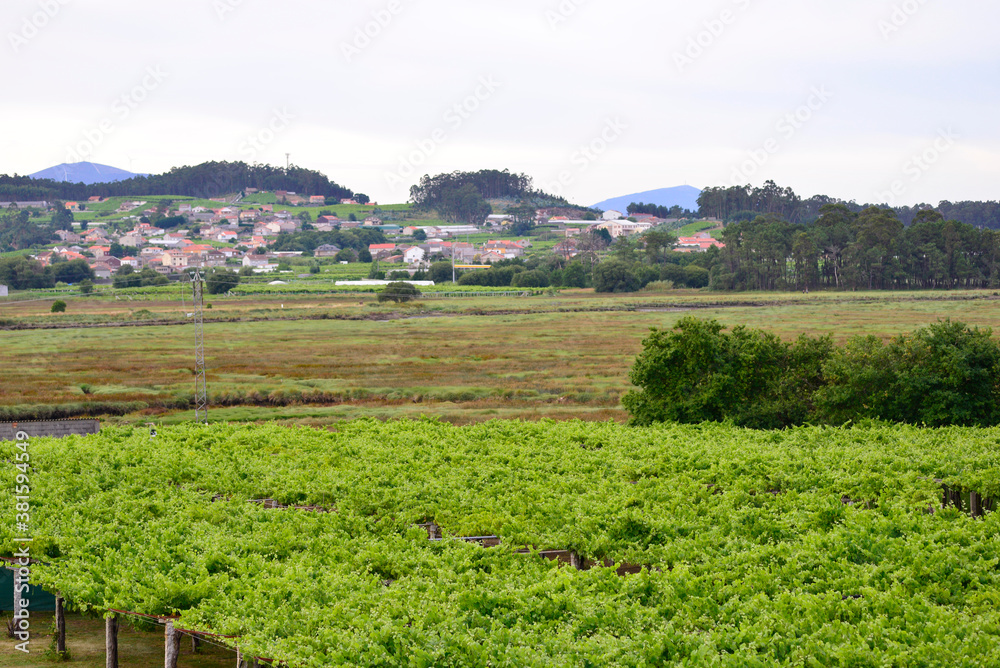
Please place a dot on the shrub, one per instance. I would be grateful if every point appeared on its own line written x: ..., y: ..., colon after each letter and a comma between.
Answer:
x: 220, y: 281
x: 697, y: 372
x: 615, y: 276
x: 399, y: 292
x: 531, y: 279
x: 944, y: 374
x: 86, y: 287
x: 59, y: 306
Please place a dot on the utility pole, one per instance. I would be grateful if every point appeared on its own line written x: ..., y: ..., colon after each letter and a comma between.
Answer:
x: 200, y: 383
x: 288, y: 162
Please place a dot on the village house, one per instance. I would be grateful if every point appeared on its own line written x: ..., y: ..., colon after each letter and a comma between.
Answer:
x: 133, y: 240
x: 415, y: 255
x: 699, y: 243
x: 133, y: 262
x: 173, y: 259
x: 622, y: 228
x: 381, y: 251
x: 567, y: 249
x: 45, y: 259
x: 317, y: 200
x: 326, y: 250
x: 465, y: 253
x: 101, y: 271
x: 508, y: 249
x: 259, y: 263
x: 490, y: 257
x: 68, y: 237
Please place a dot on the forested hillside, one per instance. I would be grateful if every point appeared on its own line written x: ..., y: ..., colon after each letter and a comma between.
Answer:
x: 210, y: 179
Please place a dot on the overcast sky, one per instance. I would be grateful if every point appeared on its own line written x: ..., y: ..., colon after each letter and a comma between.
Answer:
x: 869, y: 100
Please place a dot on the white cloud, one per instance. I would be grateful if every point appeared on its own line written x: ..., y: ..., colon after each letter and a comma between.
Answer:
x: 355, y: 118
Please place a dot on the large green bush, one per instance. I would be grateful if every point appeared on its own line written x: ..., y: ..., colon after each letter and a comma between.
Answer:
x: 944, y: 374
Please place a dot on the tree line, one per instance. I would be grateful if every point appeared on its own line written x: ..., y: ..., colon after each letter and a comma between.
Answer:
x: 738, y: 203
x: 207, y: 180
x: 870, y: 250
x: 943, y: 374
x: 659, y: 211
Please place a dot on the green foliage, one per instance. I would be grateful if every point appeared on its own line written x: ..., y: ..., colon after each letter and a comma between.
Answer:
x: 357, y: 239
x: 399, y: 292
x: 796, y: 548
x: 73, y: 271
x: 210, y: 179
x: 535, y: 278
x: 58, y: 306
x: 432, y: 191
x: 944, y: 374
x: 18, y: 231
x: 575, y: 275
x: 219, y: 281
x: 127, y: 277
x: 24, y: 273
x: 697, y: 372
x: 616, y: 275
x: 440, y: 272
x: 86, y: 287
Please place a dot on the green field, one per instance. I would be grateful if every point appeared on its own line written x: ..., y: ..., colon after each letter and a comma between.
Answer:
x: 691, y: 546
x: 318, y: 358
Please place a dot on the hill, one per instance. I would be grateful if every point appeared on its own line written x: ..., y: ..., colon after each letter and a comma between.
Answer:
x: 685, y: 197
x: 210, y: 179
x: 86, y: 173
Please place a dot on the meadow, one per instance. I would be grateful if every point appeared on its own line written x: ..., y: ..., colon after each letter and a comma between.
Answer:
x: 318, y: 359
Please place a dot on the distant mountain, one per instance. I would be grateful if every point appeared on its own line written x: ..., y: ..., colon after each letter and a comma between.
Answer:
x: 682, y: 196
x: 84, y: 172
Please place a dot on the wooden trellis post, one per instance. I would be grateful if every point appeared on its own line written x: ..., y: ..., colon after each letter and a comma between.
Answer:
x: 172, y: 645
x: 111, y: 641
x: 60, y: 627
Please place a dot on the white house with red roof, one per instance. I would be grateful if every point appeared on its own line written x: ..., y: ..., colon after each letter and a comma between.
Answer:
x: 699, y: 243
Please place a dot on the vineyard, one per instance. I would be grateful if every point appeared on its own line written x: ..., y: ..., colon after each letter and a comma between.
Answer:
x: 549, y: 544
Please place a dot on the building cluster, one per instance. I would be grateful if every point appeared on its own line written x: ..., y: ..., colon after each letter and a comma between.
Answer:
x: 420, y: 256
x: 231, y: 234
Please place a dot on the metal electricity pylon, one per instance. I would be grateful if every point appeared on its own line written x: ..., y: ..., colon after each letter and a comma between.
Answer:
x: 200, y: 383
